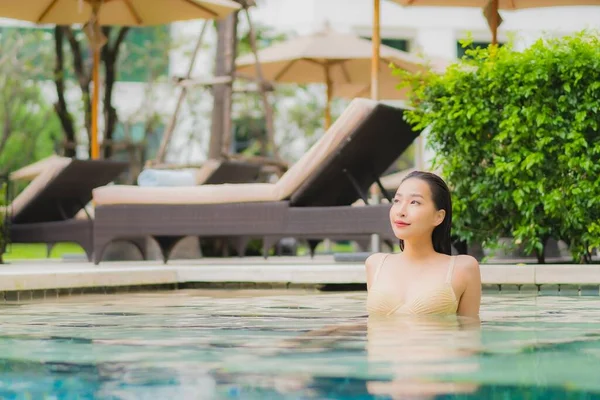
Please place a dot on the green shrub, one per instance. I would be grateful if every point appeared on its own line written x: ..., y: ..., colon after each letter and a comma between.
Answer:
x: 516, y: 136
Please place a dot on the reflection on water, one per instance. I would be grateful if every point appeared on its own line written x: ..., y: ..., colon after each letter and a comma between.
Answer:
x: 259, y: 345
x: 418, y: 347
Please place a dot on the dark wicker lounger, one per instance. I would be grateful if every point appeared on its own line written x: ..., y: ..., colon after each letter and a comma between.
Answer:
x: 320, y: 208
x: 49, y: 217
x: 233, y: 171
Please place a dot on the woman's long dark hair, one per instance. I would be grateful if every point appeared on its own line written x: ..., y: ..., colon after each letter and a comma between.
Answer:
x: 442, y: 199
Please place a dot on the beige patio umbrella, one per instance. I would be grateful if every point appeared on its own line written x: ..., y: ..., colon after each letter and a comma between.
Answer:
x: 94, y: 13
x: 491, y: 7
x: 388, y: 84
x: 326, y: 57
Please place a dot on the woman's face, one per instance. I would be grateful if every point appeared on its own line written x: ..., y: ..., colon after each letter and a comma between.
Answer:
x: 413, y: 212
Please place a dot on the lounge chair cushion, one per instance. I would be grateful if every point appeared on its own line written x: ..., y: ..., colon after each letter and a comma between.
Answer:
x: 38, y: 184
x: 203, y: 194
x: 353, y: 116
x: 32, y: 171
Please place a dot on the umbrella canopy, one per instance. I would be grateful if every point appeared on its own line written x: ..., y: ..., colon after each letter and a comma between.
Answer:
x: 502, y: 4
x: 115, y: 12
x: 112, y: 12
x: 491, y: 7
x: 327, y: 57
x: 322, y: 56
x: 388, y: 84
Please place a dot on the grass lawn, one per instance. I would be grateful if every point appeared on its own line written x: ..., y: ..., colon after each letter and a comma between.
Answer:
x: 21, y: 251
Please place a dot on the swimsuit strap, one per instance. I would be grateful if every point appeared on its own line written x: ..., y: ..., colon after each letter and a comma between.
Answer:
x: 450, y: 269
x: 379, y: 268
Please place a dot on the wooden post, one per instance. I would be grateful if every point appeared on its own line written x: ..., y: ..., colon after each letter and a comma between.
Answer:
x: 220, y: 131
x: 164, y: 144
x: 271, y: 148
x: 230, y: 55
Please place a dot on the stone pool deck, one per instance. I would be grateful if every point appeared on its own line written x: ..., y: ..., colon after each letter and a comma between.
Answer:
x: 21, y: 280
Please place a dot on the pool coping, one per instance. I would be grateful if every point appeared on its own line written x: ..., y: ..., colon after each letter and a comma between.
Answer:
x: 67, y: 277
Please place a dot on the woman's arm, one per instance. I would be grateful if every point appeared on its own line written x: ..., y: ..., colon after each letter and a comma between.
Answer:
x: 371, y: 264
x: 470, y: 300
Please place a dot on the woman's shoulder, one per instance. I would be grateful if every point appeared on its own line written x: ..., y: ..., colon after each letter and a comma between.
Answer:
x: 467, y: 265
x: 375, y: 259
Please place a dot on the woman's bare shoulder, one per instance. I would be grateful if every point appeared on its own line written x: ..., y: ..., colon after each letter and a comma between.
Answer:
x: 468, y: 265
x: 374, y: 259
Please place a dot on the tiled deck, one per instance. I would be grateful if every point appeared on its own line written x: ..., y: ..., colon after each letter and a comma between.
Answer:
x: 73, y: 276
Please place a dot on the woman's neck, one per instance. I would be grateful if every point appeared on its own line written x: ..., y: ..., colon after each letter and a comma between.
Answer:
x: 418, y: 249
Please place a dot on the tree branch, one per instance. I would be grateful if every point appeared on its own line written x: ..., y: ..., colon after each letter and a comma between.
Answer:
x: 110, y: 55
x: 120, y: 38
x: 61, y: 105
x: 83, y: 77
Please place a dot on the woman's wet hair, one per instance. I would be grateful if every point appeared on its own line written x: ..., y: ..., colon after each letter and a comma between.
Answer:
x: 442, y: 200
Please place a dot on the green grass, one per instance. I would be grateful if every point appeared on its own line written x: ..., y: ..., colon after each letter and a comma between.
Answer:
x: 22, y: 251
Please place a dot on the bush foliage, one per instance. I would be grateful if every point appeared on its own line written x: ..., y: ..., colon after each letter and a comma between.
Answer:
x: 516, y: 135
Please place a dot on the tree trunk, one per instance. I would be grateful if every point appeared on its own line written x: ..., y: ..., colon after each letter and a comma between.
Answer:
x: 61, y: 105
x: 110, y: 55
x: 541, y: 255
x: 224, y: 66
x: 84, y: 77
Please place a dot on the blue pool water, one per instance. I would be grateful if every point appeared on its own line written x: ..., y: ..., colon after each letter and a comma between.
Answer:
x: 201, y: 344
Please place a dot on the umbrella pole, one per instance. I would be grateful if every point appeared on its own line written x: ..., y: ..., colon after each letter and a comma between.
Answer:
x: 375, y: 55
x: 495, y: 22
x: 329, y: 86
x: 95, y: 151
x: 375, y: 239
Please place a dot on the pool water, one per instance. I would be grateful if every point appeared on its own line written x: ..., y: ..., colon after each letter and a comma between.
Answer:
x: 213, y: 344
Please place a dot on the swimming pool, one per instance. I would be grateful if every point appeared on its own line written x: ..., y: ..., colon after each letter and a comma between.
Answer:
x: 205, y: 344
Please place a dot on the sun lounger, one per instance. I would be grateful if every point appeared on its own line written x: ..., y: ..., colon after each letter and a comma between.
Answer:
x: 313, y: 199
x: 51, y: 208
x: 211, y: 172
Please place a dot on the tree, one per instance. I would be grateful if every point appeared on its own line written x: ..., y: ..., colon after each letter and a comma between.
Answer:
x: 516, y: 135
x: 83, y: 71
x: 29, y: 129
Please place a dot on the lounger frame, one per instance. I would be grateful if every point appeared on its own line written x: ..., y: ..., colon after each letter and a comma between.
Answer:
x: 320, y: 208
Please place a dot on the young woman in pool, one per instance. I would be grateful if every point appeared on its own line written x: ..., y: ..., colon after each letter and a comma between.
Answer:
x: 424, y: 278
